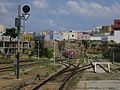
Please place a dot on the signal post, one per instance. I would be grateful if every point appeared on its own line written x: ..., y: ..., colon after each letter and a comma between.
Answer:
x: 26, y: 10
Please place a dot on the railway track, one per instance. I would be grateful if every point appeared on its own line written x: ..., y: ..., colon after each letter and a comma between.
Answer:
x: 63, y: 76
x: 23, y: 65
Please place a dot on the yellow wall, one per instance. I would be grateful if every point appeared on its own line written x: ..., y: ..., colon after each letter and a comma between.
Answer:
x: 26, y: 37
x: 106, y: 29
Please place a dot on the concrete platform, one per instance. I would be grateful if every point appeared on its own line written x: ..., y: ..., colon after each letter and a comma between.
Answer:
x: 99, y: 85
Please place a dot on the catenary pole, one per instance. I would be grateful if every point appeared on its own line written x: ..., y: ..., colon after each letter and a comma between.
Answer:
x: 54, y: 51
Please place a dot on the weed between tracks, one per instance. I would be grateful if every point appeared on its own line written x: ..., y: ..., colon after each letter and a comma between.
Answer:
x: 28, y: 76
x: 72, y: 83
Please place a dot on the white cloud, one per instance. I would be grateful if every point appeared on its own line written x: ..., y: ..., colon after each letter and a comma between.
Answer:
x: 42, y: 4
x: 49, y: 22
x: 54, y: 12
x: 3, y: 9
x: 43, y: 21
x: 62, y: 11
x: 93, y: 9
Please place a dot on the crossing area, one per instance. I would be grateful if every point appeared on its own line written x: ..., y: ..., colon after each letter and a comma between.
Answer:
x: 99, y: 85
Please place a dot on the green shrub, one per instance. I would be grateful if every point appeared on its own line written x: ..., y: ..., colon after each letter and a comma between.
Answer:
x: 26, y: 73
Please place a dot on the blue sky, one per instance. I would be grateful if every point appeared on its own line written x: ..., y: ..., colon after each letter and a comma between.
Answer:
x: 62, y: 14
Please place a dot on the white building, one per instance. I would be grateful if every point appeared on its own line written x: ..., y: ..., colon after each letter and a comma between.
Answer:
x: 117, y: 36
x: 96, y: 31
x: 110, y: 38
x: 83, y: 36
x: 69, y: 35
x: 72, y: 35
x: 4, y: 38
x: 92, y: 38
x: 65, y: 35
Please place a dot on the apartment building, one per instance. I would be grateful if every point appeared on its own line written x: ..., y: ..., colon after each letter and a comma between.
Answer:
x: 71, y: 35
x: 10, y: 48
x: 83, y: 36
x: 116, y: 29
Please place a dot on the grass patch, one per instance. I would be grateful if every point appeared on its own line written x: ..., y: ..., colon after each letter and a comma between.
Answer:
x: 45, y: 65
x: 26, y: 73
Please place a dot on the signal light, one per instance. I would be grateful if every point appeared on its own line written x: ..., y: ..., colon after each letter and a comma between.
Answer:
x: 26, y: 8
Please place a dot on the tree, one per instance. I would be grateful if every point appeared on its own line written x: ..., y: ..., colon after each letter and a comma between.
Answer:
x: 84, y: 42
x: 49, y: 53
x: 108, y: 53
x: 12, y: 33
x: 43, y: 52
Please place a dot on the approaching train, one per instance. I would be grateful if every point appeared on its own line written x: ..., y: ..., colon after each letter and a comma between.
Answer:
x: 69, y: 54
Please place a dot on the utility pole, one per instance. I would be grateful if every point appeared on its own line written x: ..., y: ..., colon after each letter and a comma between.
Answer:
x: 18, y: 27
x: 113, y: 57
x: 54, y: 51
x: 68, y: 46
x: 38, y: 50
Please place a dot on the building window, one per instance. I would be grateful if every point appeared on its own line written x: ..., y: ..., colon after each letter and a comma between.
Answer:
x: 72, y: 35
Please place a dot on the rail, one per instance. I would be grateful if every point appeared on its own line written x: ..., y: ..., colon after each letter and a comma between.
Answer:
x: 72, y: 72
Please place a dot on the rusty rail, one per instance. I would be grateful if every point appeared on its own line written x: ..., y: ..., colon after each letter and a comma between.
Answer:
x: 23, y: 65
x: 74, y: 70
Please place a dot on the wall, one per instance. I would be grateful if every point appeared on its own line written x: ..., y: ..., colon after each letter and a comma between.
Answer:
x: 117, y: 36
x: 26, y: 37
x: 110, y: 38
x: 82, y: 36
x: 2, y: 28
x: 72, y: 35
x: 65, y: 35
x: 95, y: 38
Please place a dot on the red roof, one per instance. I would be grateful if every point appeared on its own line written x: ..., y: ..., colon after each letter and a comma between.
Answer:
x: 116, y: 27
x: 117, y: 21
